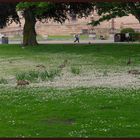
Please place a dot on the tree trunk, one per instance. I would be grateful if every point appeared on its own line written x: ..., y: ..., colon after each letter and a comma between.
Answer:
x: 29, y: 33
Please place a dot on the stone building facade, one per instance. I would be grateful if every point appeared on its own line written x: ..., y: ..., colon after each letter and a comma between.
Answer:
x: 75, y: 25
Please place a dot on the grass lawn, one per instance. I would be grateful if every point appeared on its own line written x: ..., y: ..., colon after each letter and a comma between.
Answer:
x: 81, y: 112
x: 94, y: 96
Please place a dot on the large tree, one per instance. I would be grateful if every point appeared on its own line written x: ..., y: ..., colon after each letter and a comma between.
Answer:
x: 109, y: 10
x: 8, y: 14
x: 43, y: 11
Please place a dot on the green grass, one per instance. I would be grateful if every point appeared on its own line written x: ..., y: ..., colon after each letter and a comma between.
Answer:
x: 109, y: 51
x: 77, y: 112
x: 81, y: 112
x: 99, y: 56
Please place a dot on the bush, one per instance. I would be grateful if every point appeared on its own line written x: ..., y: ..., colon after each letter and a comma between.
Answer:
x: 135, y: 35
x: 53, y: 73
x: 21, y: 76
x: 128, y: 30
x: 35, y: 75
x: 43, y: 75
x: 30, y: 76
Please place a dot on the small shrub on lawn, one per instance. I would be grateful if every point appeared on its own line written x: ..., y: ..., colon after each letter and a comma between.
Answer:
x: 30, y: 76
x: 53, y: 73
x: 43, y: 75
x: 21, y: 76
x: 33, y: 76
x: 75, y: 70
x: 3, y: 81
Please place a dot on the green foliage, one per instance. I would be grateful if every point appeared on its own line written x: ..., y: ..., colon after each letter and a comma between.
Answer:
x: 43, y: 75
x: 135, y: 35
x: 33, y: 76
x: 8, y: 14
x: 3, y: 81
x: 21, y: 76
x: 25, y: 5
x: 57, y: 11
x: 75, y: 70
x: 109, y: 10
x: 128, y: 30
x: 30, y: 75
x: 44, y: 11
x: 53, y: 73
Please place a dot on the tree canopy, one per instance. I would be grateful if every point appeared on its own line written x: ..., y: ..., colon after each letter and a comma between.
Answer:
x: 109, y: 10
x: 43, y: 11
x: 8, y: 14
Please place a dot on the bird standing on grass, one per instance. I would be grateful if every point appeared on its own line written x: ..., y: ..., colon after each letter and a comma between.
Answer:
x: 63, y: 65
x: 22, y: 83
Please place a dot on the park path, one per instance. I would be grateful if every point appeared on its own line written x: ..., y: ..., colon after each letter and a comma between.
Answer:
x: 71, y: 42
